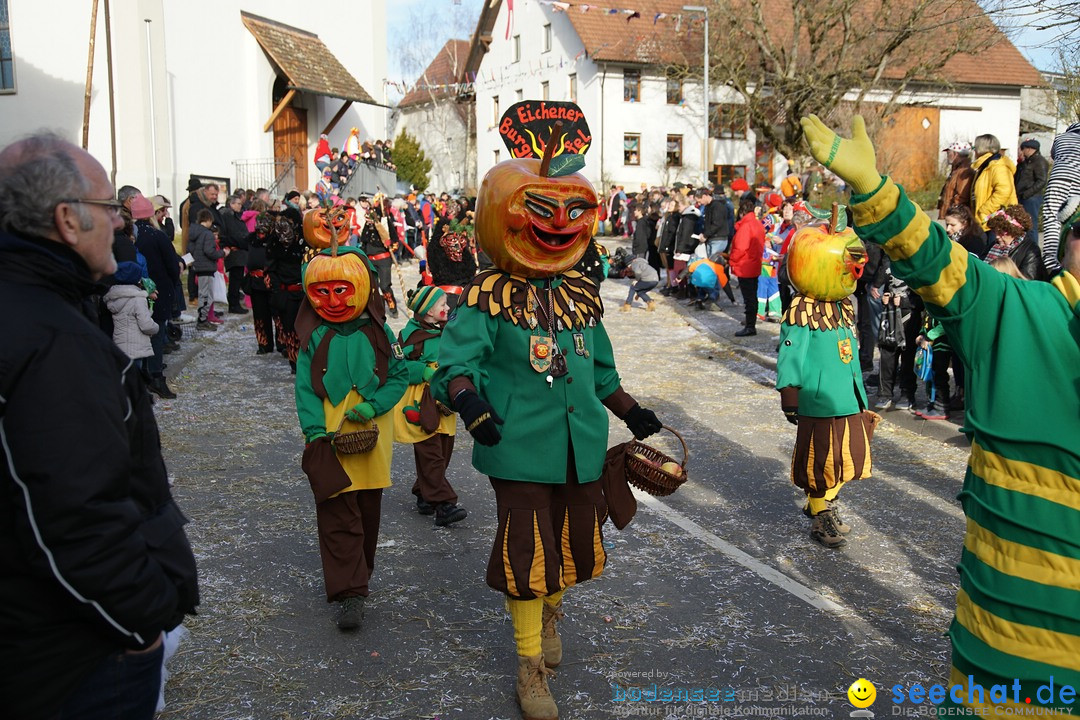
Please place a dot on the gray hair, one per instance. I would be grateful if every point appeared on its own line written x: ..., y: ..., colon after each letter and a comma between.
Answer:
x: 127, y: 192
x: 37, y: 174
x: 986, y: 144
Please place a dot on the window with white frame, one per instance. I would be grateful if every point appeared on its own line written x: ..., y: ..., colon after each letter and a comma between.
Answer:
x: 520, y: 94
x: 571, y: 87
x: 674, y: 150
x: 547, y: 38
x: 496, y: 156
x: 495, y: 117
x: 544, y: 90
x: 631, y: 149
x: 631, y: 85
x: 516, y: 48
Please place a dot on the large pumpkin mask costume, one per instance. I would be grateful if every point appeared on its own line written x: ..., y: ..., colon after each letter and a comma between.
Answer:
x: 349, y: 375
x: 526, y: 362
x: 818, y: 372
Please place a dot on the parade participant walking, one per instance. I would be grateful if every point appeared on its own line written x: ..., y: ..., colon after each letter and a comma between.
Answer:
x: 259, y: 288
x: 285, y: 252
x: 349, y: 376
x: 524, y: 359
x: 1017, y: 569
x: 96, y: 563
x: 449, y: 253
x: 818, y: 373
x: 419, y: 420
x: 375, y: 242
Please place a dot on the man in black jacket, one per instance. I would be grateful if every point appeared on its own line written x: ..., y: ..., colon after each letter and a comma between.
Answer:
x: 1030, y: 179
x: 94, y: 561
x: 716, y: 225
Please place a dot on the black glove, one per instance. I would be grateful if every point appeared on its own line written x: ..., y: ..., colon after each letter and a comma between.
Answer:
x: 642, y: 422
x: 479, y: 417
x: 791, y: 413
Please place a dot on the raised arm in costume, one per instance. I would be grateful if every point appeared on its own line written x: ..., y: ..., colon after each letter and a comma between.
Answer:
x: 1016, y: 614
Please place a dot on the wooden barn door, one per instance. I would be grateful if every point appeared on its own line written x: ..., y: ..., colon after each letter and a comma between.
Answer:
x: 908, y: 146
x: 291, y: 142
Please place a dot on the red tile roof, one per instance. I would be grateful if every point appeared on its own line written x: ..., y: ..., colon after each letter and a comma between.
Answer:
x: 446, y: 69
x: 646, y: 40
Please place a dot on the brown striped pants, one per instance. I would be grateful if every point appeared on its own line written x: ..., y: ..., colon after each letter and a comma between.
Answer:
x: 549, y: 536
x: 830, y: 451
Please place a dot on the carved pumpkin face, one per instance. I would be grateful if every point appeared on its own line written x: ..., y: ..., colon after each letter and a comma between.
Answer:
x: 337, y: 287
x: 321, y: 224
x: 531, y: 225
x: 824, y: 265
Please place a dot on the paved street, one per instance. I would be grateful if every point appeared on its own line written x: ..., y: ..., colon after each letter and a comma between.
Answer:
x: 717, y: 586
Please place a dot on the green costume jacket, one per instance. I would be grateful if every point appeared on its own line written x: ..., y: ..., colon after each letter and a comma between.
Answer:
x: 488, y: 341
x: 1017, y: 608
x: 815, y: 336
x: 350, y: 365
x: 428, y: 354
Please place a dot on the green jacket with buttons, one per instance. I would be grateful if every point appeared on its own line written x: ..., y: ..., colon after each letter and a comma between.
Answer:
x: 543, y: 423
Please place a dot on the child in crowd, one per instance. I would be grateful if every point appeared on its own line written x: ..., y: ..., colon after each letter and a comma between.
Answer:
x: 645, y: 279
x: 133, y: 325
x: 418, y: 419
x: 203, y: 247
x: 937, y: 391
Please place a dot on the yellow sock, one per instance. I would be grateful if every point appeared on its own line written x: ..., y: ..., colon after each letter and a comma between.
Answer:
x: 832, y: 492
x: 528, y: 621
x: 817, y: 505
x: 554, y: 599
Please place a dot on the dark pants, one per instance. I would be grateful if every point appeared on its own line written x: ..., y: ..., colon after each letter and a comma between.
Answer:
x: 124, y: 685
x: 1033, y: 205
x: 156, y: 362
x: 432, y: 459
x: 869, y: 316
x: 263, y: 319
x: 348, y: 534
x: 192, y: 286
x: 640, y: 288
x: 748, y: 290
x: 236, y: 281
x: 898, y: 366
x: 383, y: 267
x: 286, y: 305
x: 940, y: 367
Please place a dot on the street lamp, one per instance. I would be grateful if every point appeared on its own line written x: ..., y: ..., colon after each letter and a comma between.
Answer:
x: 705, y: 89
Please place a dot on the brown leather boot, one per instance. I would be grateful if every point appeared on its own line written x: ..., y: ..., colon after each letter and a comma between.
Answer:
x: 533, y: 694
x: 550, y: 642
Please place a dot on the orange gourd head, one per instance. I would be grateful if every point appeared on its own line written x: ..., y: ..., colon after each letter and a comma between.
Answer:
x: 321, y: 224
x: 533, y: 225
x: 338, y: 286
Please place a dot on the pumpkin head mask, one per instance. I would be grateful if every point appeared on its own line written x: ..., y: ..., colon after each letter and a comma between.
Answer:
x: 535, y: 216
x: 338, y: 284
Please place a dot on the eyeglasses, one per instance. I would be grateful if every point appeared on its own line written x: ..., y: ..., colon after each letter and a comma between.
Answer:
x: 113, y: 206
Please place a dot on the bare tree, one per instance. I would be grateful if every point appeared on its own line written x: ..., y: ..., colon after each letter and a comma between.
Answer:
x: 788, y: 58
x: 442, y: 106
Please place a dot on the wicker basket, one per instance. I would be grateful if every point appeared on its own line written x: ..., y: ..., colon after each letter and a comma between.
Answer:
x: 357, y: 442
x: 643, y: 467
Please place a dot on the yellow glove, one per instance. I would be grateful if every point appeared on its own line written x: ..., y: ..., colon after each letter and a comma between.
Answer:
x: 853, y: 160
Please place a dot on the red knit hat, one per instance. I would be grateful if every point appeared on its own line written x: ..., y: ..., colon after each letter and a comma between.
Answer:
x: 740, y: 185
x: 774, y: 199
x: 141, y: 208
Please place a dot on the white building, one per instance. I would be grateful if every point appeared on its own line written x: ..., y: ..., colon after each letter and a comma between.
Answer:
x: 195, y: 84
x: 442, y: 121
x: 648, y: 129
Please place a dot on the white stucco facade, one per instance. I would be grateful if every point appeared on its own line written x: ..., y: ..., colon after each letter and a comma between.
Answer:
x: 210, y: 91
x: 440, y: 129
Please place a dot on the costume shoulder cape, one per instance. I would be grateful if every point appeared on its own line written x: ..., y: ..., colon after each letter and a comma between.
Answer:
x: 819, y: 314
x: 576, y: 299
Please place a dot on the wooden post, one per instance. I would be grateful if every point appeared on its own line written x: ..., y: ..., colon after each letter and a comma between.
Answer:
x: 334, y: 120
x: 112, y: 94
x: 279, y: 109
x: 89, y: 78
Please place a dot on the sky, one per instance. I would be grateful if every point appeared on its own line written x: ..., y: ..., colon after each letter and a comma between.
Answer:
x: 403, y: 32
